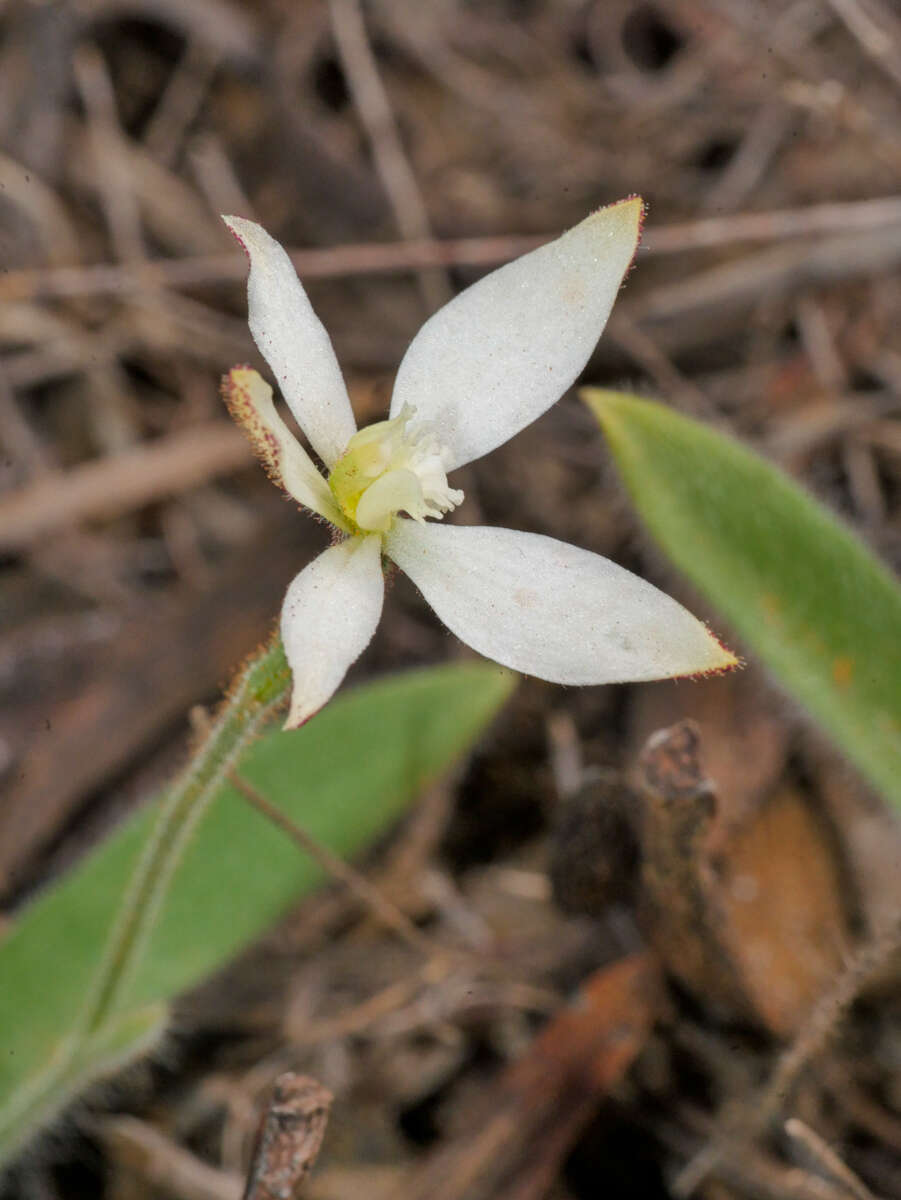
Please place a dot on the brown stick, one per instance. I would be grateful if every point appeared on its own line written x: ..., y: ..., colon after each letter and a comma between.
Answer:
x: 289, y: 1139
x: 374, y: 258
x: 522, y: 1127
x: 142, y: 1150
x: 389, y: 914
x: 117, y: 484
x: 374, y: 107
x: 822, y: 1156
x: 820, y: 1027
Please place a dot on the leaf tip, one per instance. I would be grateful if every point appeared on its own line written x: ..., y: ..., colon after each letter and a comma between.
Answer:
x: 604, y: 402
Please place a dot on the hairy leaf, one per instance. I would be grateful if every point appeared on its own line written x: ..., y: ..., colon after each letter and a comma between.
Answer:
x: 803, y: 592
x: 346, y: 778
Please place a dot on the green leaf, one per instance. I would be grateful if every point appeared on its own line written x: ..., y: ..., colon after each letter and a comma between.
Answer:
x: 346, y: 777
x: 74, y: 1066
x: 802, y: 591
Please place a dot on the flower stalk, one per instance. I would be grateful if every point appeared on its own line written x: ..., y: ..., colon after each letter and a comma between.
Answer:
x: 258, y: 691
x: 109, y: 1033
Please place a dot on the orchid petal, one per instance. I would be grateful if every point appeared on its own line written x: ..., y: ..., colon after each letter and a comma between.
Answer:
x: 249, y: 400
x: 502, y: 352
x: 549, y: 609
x: 387, y: 496
x: 294, y: 343
x: 330, y: 613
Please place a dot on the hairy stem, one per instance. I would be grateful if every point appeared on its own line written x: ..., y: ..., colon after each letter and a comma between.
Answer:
x: 256, y: 693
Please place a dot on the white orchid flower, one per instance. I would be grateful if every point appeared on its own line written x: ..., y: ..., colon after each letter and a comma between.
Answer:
x: 482, y: 368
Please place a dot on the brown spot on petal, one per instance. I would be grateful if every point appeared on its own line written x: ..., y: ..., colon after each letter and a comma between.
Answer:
x: 525, y: 597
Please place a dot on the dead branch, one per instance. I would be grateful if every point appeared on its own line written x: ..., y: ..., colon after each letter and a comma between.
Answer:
x: 110, y: 486
x: 289, y: 1139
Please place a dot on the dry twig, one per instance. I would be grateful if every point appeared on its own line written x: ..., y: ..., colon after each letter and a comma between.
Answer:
x: 830, y: 1011
x: 389, y: 914
x: 156, y: 1159
x: 370, y: 258
x: 872, y: 33
x: 821, y: 1154
x: 110, y: 486
x: 290, y: 1136
x: 391, y: 160
x: 110, y: 171
x: 525, y: 1123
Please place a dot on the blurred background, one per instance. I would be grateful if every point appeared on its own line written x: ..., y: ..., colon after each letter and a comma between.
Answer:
x: 400, y: 149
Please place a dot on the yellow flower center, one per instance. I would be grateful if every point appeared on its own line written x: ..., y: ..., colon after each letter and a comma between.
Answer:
x: 390, y: 467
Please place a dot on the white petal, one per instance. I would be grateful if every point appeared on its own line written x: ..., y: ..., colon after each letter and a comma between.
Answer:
x: 502, y: 352
x: 387, y: 496
x: 549, y: 609
x: 329, y: 616
x: 249, y: 400
x: 294, y: 343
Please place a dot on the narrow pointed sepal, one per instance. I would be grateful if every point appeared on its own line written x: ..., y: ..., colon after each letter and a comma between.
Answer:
x: 549, y: 609
x: 329, y: 616
x: 249, y: 400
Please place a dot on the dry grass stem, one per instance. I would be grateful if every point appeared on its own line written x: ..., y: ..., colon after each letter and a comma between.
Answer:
x: 117, y: 484
x: 755, y: 1117
x: 374, y: 107
x: 387, y: 913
